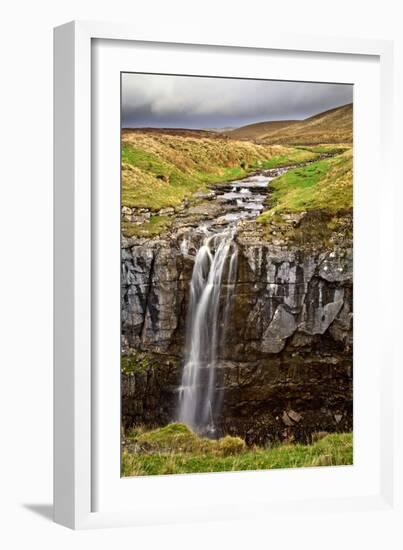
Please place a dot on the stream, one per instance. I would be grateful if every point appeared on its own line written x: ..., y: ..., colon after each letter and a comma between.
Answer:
x: 212, y: 284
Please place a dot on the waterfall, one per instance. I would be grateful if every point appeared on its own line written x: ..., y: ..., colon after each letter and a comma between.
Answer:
x: 215, y: 265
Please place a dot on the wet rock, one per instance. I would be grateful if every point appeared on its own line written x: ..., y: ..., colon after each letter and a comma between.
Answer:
x: 205, y: 195
x: 319, y: 313
x: 295, y: 417
x: 291, y: 417
x: 293, y: 219
x: 169, y: 211
x: 207, y: 211
x: 139, y: 219
x: 286, y: 419
x: 281, y: 327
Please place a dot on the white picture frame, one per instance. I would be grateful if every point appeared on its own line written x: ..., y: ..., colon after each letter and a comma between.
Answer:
x: 87, y: 491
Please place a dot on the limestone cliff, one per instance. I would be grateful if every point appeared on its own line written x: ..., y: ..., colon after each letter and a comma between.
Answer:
x: 285, y: 368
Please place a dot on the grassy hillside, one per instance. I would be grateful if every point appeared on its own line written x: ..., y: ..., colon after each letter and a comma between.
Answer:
x: 161, y: 169
x: 326, y: 184
x: 323, y: 192
x: 333, y: 126
x: 259, y: 129
x: 174, y: 449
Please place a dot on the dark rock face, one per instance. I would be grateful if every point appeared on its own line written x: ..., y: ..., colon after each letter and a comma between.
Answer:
x: 149, y: 394
x: 285, y: 369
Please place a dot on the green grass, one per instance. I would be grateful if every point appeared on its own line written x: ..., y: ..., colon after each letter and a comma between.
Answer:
x: 136, y: 362
x: 179, y: 438
x: 160, y: 184
x: 144, y: 160
x: 296, y: 156
x: 325, y: 185
x: 154, y: 226
x: 174, y: 449
x: 330, y: 148
x: 150, y: 182
x: 160, y: 171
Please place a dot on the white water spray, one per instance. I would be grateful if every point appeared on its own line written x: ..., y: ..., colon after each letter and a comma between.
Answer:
x: 215, y: 265
x: 211, y: 298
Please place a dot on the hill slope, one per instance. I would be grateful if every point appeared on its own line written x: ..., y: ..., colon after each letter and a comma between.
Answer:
x: 326, y: 184
x: 259, y: 129
x: 159, y: 169
x: 333, y: 126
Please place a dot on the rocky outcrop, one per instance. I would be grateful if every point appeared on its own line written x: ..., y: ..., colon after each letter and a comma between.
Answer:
x: 154, y: 284
x: 286, y: 294
x: 285, y: 369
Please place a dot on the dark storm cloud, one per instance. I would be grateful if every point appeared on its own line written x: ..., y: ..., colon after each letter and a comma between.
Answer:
x: 198, y: 102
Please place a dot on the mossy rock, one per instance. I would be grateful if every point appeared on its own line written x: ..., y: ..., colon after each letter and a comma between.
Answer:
x: 178, y: 438
x: 136, y: 363
x: 229, y: 446
x: 172, y: 438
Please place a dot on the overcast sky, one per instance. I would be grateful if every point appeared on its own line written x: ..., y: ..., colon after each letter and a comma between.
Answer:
x: 200, y: 102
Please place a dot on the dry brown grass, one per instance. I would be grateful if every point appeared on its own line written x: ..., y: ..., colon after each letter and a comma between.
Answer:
x: 195, y: 154
x: 334, y: 126
x: 259, y: 129
x: 160, y: 169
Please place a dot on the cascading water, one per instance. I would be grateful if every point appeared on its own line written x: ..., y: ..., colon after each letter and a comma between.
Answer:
x: 211, y: 295
x: 215, y: 265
